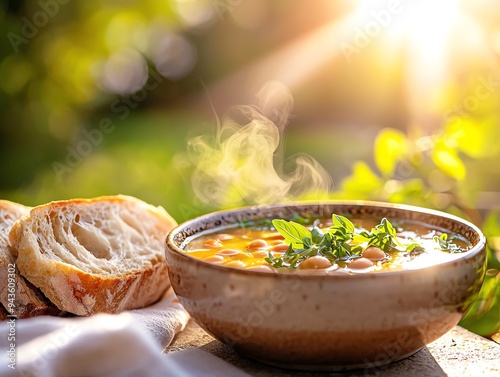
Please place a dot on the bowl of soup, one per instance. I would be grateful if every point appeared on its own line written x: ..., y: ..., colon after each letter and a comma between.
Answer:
x: 334, y: 285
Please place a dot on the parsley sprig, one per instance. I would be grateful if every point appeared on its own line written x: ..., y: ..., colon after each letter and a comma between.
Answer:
x: 341, y: 241
x: 446, y: 244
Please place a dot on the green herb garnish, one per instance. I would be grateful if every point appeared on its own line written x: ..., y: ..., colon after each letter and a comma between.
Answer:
x: 446, y: 244
x: 335, y: 243
x: 384, y: 237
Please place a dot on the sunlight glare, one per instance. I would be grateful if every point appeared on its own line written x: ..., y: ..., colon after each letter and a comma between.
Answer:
x: 423, y: 30
x: 428, y: 25
x: 423, y: 26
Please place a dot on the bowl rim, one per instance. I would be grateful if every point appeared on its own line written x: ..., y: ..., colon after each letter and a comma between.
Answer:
x: 171, y: 247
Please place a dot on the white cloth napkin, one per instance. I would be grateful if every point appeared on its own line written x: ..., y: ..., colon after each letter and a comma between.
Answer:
x: 121, y: 345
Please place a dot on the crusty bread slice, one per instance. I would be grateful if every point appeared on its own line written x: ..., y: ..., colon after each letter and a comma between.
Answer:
x: 25, y: 300
x: 95, y: 255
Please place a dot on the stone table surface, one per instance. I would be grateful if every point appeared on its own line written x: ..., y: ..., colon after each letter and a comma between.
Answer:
x: 457, y: 353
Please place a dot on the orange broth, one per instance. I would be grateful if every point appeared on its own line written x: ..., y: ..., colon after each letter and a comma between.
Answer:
x: 248, y: 247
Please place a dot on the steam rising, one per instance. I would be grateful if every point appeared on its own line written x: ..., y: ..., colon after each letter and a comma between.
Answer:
x: 243, y: 162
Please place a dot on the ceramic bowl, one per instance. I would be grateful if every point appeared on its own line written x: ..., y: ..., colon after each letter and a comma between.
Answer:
x: 323, y: 322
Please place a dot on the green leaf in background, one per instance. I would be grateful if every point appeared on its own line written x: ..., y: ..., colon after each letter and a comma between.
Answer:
x: 363, y: 183
x: 292, y: 232
x: 484, y: 316
x: 447, y: 160
x: 475, y: 137
x: 491, y: 229
x: 390, y: 147
x: 410, y: 191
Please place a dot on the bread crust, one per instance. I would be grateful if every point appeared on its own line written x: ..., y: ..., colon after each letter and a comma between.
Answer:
x: 27, y: 301
x: 3, y: 313
x: 81, y: 292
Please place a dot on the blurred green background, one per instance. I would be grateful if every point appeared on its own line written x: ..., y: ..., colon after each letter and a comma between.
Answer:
x: 396, y: 101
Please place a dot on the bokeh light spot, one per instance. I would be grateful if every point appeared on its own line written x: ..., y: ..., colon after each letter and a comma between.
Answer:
x: 195, y: 13
x: 125, y: 72
x: 174, y: 56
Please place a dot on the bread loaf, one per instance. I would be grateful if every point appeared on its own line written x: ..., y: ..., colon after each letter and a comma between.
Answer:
x: 94, y: 255
x: 25, y: 300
